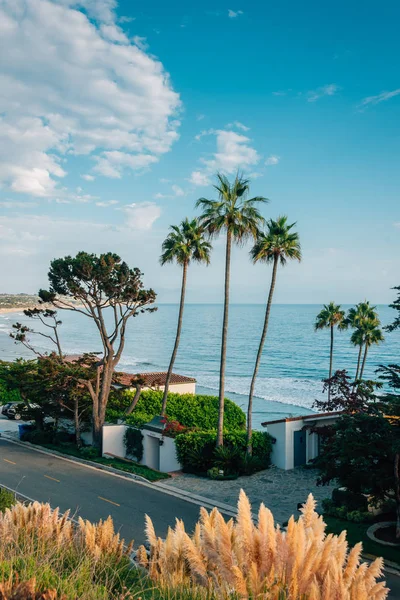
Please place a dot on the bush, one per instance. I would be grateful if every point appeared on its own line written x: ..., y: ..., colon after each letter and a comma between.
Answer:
x: 350, y: 500
x: 38, y: 436
x: 133, y: 440
x: 228, y: 459
x: 342, y: 512
x: 89, y: 452
x: 190, y: 410
x: 7, y: 395
x: 196, y: 450
x: 7, y: 499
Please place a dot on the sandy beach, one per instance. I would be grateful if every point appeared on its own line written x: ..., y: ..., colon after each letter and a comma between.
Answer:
x: 15, y: 309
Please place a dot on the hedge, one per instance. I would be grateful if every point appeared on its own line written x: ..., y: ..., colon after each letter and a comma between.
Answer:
x: 196, y: 449
x: 191, y: 410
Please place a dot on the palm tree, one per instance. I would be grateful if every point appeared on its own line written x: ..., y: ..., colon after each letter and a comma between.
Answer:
x: 239, y: 217
x: 331, y: 316
x: 372, y: 334
x: 357, y: 317
x: 183, y: 244
x: 275, y: 246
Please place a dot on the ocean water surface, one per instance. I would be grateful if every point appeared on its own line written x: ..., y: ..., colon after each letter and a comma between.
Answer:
x: 295, y: 359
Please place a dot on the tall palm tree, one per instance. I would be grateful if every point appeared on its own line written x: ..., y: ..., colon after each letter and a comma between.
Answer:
x: 357, y: 318
x: 239, y: 217
x: 372, y: 334
x: 185, y: 243
x: 275, y: 246
x: 331, y: 316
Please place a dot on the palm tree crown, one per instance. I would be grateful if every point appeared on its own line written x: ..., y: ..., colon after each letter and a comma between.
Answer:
x: 330, y: 316
x: 277, y: 242
x: 363, y: 312
x: 186, y: 243
x: 232, y: 212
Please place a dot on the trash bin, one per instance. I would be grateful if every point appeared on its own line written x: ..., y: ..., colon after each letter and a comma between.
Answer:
x: 24, y: 428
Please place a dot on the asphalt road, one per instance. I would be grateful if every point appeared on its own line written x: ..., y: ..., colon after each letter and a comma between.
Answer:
x: 91, y: 494
x: 94, y: 495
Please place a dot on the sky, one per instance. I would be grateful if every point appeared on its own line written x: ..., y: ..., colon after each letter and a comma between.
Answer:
x: 115, y: 117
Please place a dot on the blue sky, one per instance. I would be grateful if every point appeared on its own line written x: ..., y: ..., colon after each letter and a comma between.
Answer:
x: 114, y: 117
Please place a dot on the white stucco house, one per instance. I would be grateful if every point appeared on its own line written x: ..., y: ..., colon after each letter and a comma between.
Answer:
x: 295, y: 443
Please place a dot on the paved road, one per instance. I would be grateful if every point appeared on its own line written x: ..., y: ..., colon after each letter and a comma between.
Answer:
x: 90, y: 493
x: 95, y: 495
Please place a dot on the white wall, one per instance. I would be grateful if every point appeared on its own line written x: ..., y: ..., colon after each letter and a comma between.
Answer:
x: 160, y: 457
x: 175, y: 388
x: 113, y: 440
x: 283, y: 449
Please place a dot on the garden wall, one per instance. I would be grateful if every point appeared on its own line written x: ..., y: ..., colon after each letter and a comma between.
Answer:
x: 159, y: 452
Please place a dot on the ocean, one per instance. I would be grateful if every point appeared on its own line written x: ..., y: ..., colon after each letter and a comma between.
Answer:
x: 295, y: 359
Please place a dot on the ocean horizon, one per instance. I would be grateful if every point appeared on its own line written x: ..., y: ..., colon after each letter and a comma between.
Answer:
x: 294, y: 362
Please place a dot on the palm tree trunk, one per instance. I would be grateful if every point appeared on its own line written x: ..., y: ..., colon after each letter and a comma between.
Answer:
x: 363, y: 362
x: 359, y: 361
x: 177, y: 339
x: 135, y: 400
x: 220, y: 433
x: 259, y: 353
x: 330, y: 364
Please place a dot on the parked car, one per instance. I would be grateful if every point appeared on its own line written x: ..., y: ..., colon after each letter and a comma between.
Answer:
x: 18, y: 410
x: 5, y: 408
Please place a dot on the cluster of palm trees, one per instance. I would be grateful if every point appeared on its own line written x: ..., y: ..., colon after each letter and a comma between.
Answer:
x: 363, y: 319
x: 240, y: 220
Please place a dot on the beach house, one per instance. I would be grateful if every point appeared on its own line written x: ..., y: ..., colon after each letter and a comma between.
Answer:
x: 297, y: 442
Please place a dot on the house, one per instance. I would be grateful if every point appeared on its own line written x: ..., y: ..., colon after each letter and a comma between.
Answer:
x: 296, y: 444
x: 178, y: 384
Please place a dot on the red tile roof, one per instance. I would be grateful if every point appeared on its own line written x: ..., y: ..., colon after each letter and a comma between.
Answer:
x: 154, y: 379
x: 151, y: 379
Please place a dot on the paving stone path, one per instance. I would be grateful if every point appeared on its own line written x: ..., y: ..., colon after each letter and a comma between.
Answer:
x: 280, y: 490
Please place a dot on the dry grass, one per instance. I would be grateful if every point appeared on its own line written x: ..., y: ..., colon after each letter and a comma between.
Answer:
x: 48, y: 551
x: 260, y: 560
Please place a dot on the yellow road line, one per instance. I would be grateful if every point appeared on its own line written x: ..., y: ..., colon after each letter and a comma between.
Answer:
x: 110, y: 501
x: 53, y: 478
x: 9, y: 461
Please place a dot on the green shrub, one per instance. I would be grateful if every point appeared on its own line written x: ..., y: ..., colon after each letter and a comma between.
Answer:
x: 342, y: 512
x: 350, y: 500
x: 190, y: 410
x: 133, y: 440
x: 89, y: 452
x: 196, y: 450
x: 38, y: 436
x: 7, y: 499
x: 7, y: 395
x: 228, y: 459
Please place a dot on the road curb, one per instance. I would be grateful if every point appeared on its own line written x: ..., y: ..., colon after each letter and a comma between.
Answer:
x: 162, y: 488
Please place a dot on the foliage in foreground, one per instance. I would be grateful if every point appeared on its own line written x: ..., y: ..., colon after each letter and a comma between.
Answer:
x: 261, y: 560
x: 71, y: 561
x: 7, y: 500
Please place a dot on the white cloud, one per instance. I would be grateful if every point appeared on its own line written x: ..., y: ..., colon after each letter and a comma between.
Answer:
x: 141, y: 216
x: 279, y: 93
x: 107, y: 203
x: 200, y: 179
x: 141, y: 42
x: 178, y: 191
x: 92, y: 93
x: 233, y: 152
x: 238, y: 125
x: 88, y: 177
x: 13, y: 204
x: 232, y: 14
x: 272, y: 160
x: 175, y: 189
x: 326, y: 90
x: 382, y: 97
x: 200, y: 117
